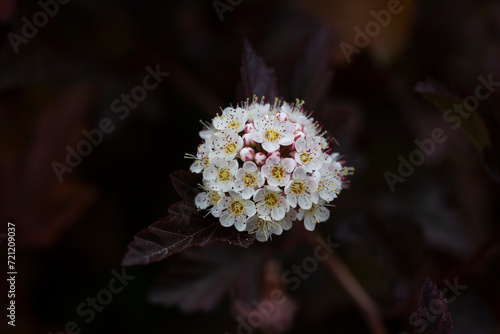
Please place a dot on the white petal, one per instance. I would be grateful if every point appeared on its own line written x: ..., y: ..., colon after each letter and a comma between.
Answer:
x: 278, y: 213
x: 250, y: 167
x: 259, y: 194
x: 256, y: 136
x: 270, y: 147
x: 308, y: 224
x: 300, y: 144
x: 240, y: 225
x: 292, y: 200
x: 210, y: 173
x: 304, y: 202
x: 276, y: 229
x: 250, y: 208
x: 247, y: 193
x: 288, y: 164
x: 225, y: 220
x: 299, y: 173
x: 286, y: 140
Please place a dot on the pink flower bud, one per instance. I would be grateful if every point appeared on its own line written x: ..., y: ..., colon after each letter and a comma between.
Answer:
x: 282, y: 117
x: 299, y: 134
x: 297, y: 127
x: 249, y: 127
x: 274, y: 154
x: 247, y: 140
x: 247, y: 154
x: 260, y: 158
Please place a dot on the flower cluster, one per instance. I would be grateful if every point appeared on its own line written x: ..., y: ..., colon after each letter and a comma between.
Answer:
x: 265, y: 166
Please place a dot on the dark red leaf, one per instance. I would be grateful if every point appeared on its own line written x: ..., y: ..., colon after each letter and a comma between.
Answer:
x: 200, y: 277
x: 186, y: 184
x: 311, y: 73
x: 181, y: 229
x: 433, y: 316
x: 257, y: 78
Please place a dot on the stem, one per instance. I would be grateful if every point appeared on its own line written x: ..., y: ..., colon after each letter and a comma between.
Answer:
x: 351, y: 285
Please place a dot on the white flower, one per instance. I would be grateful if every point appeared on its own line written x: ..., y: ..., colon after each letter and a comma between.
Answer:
x: 202, y: 160
x: 301, y: 189
x: 235, y: 210
x: 220, y: 174
x: 270, y: 202
x: 318, y: 213
x: 277, y: 171
x: 329, y: 181
x: 210, y: 198
x: 256, y: 109
x: 272, y: 133
x: 248, y: 179
x: 263, y: 227
x: 309, y: 153
x: 231, y: 119
x: 226, y: 145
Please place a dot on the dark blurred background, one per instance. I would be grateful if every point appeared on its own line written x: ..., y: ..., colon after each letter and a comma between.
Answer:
x: 65, y: 76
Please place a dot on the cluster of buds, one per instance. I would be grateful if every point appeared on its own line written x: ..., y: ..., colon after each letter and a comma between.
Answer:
x: 265, y: 167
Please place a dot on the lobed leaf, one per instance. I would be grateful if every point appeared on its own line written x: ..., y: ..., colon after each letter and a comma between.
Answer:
x: 184, y: 227
x: 257, y: 78
x: 432, y: 314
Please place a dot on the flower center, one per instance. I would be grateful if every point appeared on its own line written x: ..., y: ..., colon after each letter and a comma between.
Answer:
x: 230, y: 148
x: 271, y: 199
x: 237, y: 207
x: 297, y: 187
x: 206, y: 162
x: 271, y: 135
x: 214, y: 197
x: 320, y: 185
x: 277, y: 172
x: 234, y: 125
x: 304, y: 157
x: 224, y: 174
x: 249, y: 180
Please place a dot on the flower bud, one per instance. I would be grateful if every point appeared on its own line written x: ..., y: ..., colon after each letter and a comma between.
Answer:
x: 282, y: 117
x: 260, y: 158
x: 274, y: 154
x: 249, y: 127
x: 299, y: 134
x: 247, y: 140
x: 247, y: 154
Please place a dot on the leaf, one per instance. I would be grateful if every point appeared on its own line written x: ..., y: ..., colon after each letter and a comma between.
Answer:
x: 311, y: 75
x: 200, y: 277
x: 181, y: 229
x: 186, y: 184
x: 473, y: 126
x: 257, y: 78
x: 433, y: 316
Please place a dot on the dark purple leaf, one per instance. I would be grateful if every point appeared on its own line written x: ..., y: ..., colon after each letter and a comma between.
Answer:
x: 433, y: 316
x: 473, y: 126
x: 200, y: 277
x: 181, y: 229
x: 257, y: 78
x: 311, y: 74
x: 186, y: 184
